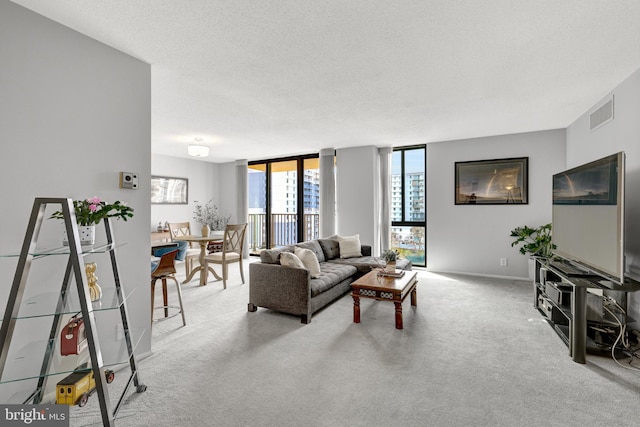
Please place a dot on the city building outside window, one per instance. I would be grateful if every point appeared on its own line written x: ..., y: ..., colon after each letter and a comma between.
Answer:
x: 408, y: 203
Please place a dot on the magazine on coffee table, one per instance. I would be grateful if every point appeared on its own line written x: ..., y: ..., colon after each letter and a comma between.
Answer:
x: 396, y: 274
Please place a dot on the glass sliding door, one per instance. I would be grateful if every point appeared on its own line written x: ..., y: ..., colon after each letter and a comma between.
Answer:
x: 408, y: 203
x: 283, y: 193
x: 279, y: 191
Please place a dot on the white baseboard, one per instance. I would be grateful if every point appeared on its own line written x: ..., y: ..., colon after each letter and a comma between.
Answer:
x: 493, y: 276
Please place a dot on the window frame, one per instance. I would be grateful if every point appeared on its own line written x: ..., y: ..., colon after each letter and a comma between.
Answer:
x: 403, y: 222
x: 299, y: 188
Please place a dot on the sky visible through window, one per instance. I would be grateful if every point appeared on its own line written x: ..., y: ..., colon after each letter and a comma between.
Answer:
x: 413, y: 162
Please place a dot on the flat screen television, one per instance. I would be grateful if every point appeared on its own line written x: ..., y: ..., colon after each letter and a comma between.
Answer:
x: 588, y: 216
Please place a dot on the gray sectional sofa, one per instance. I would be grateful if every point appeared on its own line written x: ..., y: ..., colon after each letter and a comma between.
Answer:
x: 294, y: 291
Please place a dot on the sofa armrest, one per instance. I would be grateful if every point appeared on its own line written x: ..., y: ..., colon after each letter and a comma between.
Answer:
x: 365, y: 250
x: 279, y: 288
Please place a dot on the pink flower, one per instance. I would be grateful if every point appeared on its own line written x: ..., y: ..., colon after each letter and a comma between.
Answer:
x: 93, y: 209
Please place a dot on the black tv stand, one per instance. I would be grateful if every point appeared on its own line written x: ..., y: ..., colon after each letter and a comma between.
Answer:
x: 566, y: 294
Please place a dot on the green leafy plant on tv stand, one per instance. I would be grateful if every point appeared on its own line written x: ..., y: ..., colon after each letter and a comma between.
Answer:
x: 534, y: 241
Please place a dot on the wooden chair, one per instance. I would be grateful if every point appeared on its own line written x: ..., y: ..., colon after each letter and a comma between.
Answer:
x: 232, y: 247
x: 166, y: 269
x: 178, y: 229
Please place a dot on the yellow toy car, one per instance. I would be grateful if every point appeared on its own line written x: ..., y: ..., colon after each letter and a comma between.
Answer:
x: 76, y: 387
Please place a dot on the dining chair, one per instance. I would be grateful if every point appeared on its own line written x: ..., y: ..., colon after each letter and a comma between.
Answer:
x: 232, y: 247
x: 166, y: 269
x: 177, y: 229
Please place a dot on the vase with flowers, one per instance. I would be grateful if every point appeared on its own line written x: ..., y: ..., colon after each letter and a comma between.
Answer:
x: 390, y: 256
x: 208, y: 216
x: 90, y: 212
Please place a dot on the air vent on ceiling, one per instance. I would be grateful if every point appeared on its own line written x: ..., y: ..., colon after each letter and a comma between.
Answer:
x: 601, y: 115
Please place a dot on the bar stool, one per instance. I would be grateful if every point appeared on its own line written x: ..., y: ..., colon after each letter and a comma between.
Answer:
x: 166, y: 270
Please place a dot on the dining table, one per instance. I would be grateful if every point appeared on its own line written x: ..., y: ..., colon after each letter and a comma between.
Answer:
x: 214, y: 236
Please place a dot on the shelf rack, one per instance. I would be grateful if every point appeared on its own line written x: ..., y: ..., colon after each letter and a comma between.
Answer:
x: 75, y: 269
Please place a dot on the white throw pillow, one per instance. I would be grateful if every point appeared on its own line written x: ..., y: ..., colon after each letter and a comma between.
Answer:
x: 310, y: 261
x: 349, y: 246
x: 290, y: 260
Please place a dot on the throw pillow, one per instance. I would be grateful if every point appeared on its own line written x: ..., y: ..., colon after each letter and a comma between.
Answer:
x: 270, y: 256
x: 313, y: 246
x: 349, y: 246
x: 290, y: 260
x: 331, y: 248
x: 310, y: 261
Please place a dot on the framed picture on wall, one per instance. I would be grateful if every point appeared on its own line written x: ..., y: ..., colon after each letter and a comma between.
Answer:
x: 492, y: 182
x: 166, y: 190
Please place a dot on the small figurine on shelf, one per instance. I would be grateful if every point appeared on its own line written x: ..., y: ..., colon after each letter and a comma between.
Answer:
x: 160, y: 227
x: 92, y: 280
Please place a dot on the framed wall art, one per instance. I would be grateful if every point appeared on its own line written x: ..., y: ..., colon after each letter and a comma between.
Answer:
x: 166, y: 190
x: 492, y: 182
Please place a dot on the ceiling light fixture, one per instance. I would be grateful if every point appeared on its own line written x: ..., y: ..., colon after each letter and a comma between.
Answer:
x: 198, y: 149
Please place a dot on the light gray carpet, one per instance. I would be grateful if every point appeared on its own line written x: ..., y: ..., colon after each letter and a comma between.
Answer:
x: 473, y: 353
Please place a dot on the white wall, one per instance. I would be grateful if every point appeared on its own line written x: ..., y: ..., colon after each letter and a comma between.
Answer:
x: 204, y: 184
x: 357, y: 193
x: 621, y: 134
x: 472, y: 238
x: 74, y: 112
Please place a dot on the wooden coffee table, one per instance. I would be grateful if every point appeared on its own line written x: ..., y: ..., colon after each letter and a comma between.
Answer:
x: 384, y: 288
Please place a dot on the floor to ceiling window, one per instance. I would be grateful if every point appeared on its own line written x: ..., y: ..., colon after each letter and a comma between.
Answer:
x: 279, y: 190
x: 408, y: 203
x: 283, y: 201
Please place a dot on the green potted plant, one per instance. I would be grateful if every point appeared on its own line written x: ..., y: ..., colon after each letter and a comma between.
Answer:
x: 90, y: 212
x: 535, y: 241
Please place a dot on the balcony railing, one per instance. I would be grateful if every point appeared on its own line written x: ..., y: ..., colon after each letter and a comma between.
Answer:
x: 284, y: 230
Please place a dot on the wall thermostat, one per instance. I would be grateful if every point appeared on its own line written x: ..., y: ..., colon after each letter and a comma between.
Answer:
x: 129, y: 180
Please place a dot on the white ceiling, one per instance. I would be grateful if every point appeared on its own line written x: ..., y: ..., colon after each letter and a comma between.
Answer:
x: 262, y: 79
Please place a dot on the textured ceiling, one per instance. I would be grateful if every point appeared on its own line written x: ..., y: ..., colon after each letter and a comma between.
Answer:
x: 261, y: 79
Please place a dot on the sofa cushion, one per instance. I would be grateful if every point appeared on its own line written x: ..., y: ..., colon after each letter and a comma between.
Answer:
x: 309, y: 260
x: 272, y: 256
x: 287, y: 259
x: 350, y: 246
x: 330, y: 248
x: 331, y: 274
x: 313, y: 246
